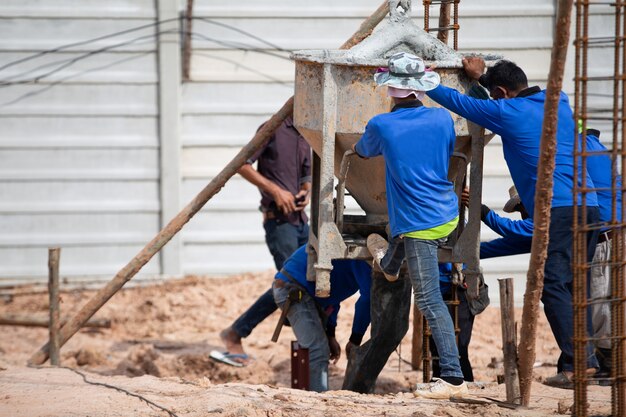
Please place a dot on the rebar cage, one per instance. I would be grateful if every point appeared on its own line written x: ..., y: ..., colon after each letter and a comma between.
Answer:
x: 600, y: 104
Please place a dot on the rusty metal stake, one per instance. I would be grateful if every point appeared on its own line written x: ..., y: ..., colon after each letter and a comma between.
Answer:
x: 54, y: 255
x: 177, y: 223
x: 543, y: 199
x: 300, y: 374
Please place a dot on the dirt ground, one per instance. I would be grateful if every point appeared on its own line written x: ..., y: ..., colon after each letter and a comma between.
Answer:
x: 158, y: 347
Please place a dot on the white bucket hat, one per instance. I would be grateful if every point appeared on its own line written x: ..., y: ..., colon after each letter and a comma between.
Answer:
x: 407, y: 72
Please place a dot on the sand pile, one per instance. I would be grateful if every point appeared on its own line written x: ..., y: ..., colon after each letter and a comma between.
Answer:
x: 159, y: 343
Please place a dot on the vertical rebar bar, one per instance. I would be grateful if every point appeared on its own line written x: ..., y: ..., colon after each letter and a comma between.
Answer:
x: 426, y: 356
x: 416, y: 341
x: 615, y: 225
x: 618, y: 391
x: 580, y: 230
x: 455, y: 43
x: 426, y: 15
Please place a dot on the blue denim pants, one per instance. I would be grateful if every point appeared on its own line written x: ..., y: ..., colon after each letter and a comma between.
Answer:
x: 307, y: 326
x: 282, y: 240
x: 557, y: 287
x: 421, y: 256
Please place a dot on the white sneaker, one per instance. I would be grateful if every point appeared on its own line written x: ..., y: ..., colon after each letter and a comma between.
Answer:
x: 441, y: 390
x: 377, y: 246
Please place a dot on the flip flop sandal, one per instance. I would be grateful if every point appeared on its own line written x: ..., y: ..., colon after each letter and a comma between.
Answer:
x: 228, y: 358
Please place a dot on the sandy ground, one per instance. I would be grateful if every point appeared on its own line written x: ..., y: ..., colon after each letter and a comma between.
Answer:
x: 158, y: 348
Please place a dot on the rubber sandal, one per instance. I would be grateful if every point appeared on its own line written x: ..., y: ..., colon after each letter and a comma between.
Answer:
x: 227, y: 358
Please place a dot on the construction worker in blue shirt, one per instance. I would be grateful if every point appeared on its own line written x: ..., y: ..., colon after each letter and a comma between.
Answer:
x: 516, y: 114
x: 417, y: 143
x: 600, y: 168
x: 347, y: 277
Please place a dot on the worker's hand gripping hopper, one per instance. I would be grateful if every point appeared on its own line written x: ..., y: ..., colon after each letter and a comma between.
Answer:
x: 335, y: 96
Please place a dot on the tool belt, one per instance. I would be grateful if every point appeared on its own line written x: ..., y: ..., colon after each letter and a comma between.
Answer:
x: 296, y: 293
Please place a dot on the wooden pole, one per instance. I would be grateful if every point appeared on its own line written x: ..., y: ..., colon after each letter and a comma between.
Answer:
x: 416, y: 341
x: 29, y: 320
x: 444, y: 22
x: 176, y: 224
x: 187, y: 43
x: 54, y: 255
x: 543, y: 200
x: 509, y: 340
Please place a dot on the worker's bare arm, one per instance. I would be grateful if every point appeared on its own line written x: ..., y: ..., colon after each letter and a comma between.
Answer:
x: 283, y: 198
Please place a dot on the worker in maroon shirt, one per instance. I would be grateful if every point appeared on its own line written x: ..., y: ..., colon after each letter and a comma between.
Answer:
x: 283, y: 176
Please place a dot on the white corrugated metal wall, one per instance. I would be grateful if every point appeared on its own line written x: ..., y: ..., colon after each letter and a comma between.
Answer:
x: 79, y: 164
x: 81, y: 159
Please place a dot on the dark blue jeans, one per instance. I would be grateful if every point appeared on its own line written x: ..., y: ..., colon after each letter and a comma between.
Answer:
x: 421, y: 257
x: 557, y: 287
x: 466, y: 324
x: 282, y: 240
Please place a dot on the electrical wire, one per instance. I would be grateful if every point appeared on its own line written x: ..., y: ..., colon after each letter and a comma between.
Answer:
x: 134, y: 29
x: 71, y: 61
x: 243, y: 32
x: 238, y: 45
x: 62, y: 80
x: 232, y: 61
x: 85, y: 42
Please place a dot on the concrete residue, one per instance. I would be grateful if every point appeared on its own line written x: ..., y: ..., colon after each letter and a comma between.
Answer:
x: 398, y: 33
x: 399, y: 10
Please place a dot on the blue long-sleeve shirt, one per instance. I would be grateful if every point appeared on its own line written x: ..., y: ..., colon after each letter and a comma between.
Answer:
x: 517, y: 236
x: 600, y: 168
x: 416, y: 142
x: 347, y: 277
x: 519, y: 122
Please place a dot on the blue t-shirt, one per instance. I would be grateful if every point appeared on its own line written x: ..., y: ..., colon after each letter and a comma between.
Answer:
x: 599, y: 167
x: 519, y: 122
x: 347, y: 277
x: 417, y: 143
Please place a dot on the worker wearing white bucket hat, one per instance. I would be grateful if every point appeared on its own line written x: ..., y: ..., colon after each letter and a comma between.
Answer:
x: 416, y: 142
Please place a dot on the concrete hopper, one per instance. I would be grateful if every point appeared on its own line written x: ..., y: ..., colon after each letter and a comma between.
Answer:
x: 335, y: 96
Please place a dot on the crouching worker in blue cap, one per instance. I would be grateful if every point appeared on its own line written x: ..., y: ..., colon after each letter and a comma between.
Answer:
x: 417, y: 143
x: 314, y: 319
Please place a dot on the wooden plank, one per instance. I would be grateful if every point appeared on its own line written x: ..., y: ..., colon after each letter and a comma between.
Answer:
x: 34, y: 320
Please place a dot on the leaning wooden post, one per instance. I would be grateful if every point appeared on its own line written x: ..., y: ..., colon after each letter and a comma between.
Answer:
x: 509, y: 340
x: 54, y: 255
x: 543, y: 200
x: 176, y: 224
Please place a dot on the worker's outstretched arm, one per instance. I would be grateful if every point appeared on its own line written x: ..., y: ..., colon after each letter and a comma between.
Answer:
x: 507, y: 227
